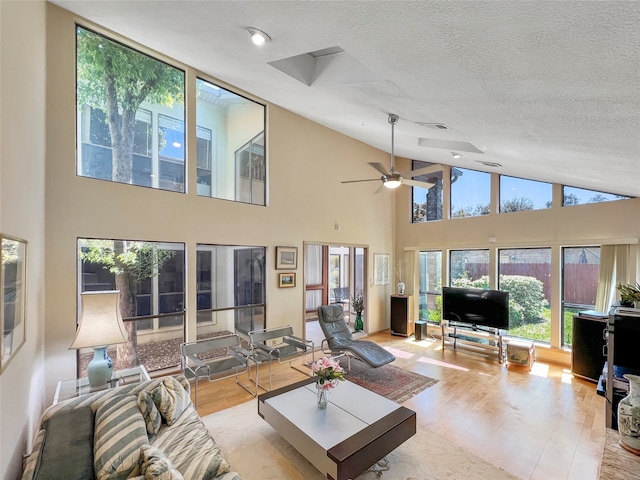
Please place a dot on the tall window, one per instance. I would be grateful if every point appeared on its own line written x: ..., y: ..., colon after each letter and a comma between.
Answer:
x: 519, y: 194
x: 469, y: 268
x: 470, y: 193
x: 579, y: 284
x: 116, y: 137
x: 150, y: 278
x: 231, y: 288
x: 427, y: 202
x: 231, y: 146
x: 430, y: 286
x: 581, y: 196
x: 526, y: 274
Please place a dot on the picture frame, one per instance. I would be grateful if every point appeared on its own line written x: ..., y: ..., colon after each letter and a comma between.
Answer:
x: 287, y: 280
x: 381, y: 269
x: 286, y: 258
x: 13, y: 285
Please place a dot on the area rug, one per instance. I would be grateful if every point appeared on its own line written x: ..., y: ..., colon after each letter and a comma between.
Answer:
x: 388, y: 380
x: 256, y: 451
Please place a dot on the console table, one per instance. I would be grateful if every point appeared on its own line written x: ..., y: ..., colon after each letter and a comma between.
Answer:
x: 77, y: 387
x: 356, y: 430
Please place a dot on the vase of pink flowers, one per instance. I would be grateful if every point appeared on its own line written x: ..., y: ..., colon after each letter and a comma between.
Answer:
x: 328, y: 373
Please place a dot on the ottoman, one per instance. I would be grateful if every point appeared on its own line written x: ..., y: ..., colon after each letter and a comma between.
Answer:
x: 522, y: 353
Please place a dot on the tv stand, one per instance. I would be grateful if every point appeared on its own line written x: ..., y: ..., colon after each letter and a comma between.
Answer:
x: 480, y: 339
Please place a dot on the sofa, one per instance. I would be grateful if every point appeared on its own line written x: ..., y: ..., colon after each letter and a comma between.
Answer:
x: 148, y: 430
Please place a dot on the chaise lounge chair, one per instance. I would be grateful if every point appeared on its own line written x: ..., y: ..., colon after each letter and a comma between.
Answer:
x: 339, y: 340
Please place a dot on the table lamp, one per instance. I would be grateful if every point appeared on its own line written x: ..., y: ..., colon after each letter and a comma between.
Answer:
x: 100, y: 325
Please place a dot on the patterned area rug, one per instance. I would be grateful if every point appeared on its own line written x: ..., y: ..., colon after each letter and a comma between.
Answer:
x: 388, y: 380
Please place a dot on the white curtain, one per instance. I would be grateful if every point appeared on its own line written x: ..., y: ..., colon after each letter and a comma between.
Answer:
x: 614, y: 269
x: 313, y: 275
x: 313, y: 265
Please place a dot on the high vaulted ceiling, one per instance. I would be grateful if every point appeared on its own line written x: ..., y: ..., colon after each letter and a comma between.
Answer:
x: 548, y: 89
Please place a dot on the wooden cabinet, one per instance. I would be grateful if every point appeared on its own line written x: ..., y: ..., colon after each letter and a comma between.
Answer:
x: 402, y: 315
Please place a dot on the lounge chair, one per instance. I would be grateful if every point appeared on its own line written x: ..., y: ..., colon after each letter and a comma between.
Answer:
x: 339, y: 340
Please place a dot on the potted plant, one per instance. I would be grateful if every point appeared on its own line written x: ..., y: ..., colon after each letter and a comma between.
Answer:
x: 629, y: 294
x: 357, y: 302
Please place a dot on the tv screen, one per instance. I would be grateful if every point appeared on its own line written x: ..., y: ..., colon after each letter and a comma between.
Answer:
x: 487, y: 308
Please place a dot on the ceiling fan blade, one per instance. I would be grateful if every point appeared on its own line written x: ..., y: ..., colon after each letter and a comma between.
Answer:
x: 415, y: 183
x: 423, y: 171
x: 358, y: 181
x: 380, y: 189
x: 380, y: 168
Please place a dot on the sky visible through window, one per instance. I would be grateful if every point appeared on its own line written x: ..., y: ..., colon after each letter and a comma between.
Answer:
x: 472, y: 188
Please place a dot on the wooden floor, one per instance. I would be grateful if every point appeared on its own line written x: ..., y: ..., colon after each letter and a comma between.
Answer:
x: 542, y: 424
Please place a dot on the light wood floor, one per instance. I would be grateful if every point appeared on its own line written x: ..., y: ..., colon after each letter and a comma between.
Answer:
x: 542, y: 424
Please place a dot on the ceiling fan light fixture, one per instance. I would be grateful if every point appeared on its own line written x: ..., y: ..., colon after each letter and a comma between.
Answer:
x: 392, y: 183
x: 258, y: 37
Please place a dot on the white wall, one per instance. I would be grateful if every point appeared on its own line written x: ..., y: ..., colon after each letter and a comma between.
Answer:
x: 305, y: 200
x: 22, y: 171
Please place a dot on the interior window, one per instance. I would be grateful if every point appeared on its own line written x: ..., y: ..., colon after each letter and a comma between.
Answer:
x: 519, y: 194
x: 115, y: 131
x: 430, y: 308
x: 230, y: 289
x: 581, y: 196
x: 231, y: 154
x: 426, y: 202
x: 579, y: 284
x: 470, y: 193
x: 150, y: 278
x: 526, y: 274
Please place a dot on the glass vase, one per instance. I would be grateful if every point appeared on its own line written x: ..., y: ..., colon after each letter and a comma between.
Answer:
x: 358, y: 325
x: 323, y: 396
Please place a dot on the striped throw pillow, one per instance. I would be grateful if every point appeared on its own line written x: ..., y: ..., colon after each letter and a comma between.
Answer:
x: 156, y: 465
x: 151, y: 415
x: 171, y: 399
x: 119, y: 433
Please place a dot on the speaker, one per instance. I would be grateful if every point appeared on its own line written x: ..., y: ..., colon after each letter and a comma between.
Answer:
x: 421, y: 330
x: 587, y: 355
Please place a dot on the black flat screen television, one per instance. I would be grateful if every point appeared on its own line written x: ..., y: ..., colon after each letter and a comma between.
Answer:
x: 481, y: 308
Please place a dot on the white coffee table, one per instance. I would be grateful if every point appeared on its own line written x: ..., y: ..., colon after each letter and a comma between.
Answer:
x: 356, y: 430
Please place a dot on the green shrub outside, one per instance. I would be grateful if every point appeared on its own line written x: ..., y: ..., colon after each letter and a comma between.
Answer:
x: 527, y: 304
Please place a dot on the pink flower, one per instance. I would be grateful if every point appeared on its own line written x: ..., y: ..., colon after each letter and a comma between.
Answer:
x: 328, y: 372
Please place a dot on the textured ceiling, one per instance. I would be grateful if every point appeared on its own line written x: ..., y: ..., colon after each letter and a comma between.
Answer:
x: 550, y: 90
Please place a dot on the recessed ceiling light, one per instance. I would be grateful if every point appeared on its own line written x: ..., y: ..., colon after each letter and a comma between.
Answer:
x: 456, y: 154
x: 258, y: 37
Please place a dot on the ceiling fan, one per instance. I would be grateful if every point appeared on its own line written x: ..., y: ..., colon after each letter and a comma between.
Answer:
x: 393, y: 179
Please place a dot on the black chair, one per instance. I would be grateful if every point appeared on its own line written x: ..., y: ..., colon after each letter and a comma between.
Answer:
x: 339, y: 340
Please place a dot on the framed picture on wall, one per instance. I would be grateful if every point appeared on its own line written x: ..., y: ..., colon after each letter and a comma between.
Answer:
x: 13, y: 283
x: 286, y: 258
x: 381, y: 269
x: 287, y: 280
